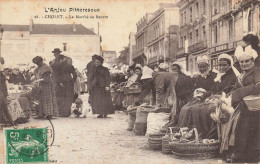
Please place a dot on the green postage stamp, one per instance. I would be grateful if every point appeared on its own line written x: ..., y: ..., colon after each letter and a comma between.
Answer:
x: 28, y: 145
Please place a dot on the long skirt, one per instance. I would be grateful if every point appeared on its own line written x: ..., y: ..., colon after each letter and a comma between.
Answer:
x: 65, y: 96
x: 196, y: 114
x: 102, y: 101
x: 246, y: 146
x: 48, y: 103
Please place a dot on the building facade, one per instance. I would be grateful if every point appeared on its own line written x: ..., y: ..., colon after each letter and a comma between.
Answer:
x: 140, y: 55
x: 23, y: 42
x: 230, y: 21
x: 194, y: 32
x: 109, y: 57
x: 213, y: 27
x: 162, y: 29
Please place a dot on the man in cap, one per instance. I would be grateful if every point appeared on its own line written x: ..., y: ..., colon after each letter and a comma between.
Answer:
x: 90, y: 71
x: 64, y: 76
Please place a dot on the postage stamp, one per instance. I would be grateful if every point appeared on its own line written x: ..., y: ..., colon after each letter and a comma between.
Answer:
x: 28, y: 145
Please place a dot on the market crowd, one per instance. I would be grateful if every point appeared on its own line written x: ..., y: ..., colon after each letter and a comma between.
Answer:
x: 54, y: 91
x: 222, y: 104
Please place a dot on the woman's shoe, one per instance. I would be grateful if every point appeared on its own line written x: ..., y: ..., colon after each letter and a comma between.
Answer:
x: 100, y: 116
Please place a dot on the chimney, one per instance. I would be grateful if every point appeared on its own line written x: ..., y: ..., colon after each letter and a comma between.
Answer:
x: 74, y: 26
x: 31, y: 25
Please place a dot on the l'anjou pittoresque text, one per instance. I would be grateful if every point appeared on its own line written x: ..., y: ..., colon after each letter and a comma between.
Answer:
x: 64, y: 10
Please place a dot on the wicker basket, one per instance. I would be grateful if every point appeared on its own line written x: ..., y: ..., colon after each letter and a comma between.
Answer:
x: 155, y: 141
x: 166, y: 148
x: 195, y: 149
x: 252, y: 102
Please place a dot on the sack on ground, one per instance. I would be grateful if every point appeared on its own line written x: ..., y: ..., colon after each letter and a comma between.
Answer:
x: 155, y: 121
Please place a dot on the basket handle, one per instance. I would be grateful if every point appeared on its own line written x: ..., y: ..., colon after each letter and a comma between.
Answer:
x: 196, y: 135
x: 170, y: 129
x: 135, y: 84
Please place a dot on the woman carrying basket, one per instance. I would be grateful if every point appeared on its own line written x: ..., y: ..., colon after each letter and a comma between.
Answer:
x: 242, y: 136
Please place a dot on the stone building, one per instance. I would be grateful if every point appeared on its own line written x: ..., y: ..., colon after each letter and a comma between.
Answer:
x: 23, y: 42
x: 162, y: 34
x: 213, y: 27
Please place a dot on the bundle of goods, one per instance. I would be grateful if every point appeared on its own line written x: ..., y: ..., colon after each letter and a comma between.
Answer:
x: 166, y: 148
x: 131, y: 111
x: 221, y: 108
x: 141, y: 119
x: 186, y: 144
x: 155, y: 141
x: 133, y: 88
x: 155, y: 121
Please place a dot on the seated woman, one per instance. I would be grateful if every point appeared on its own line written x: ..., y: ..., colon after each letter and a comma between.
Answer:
x: 199, y: 111
x: 16, y: 77
x: 135, y: 75
x: 242, y: 135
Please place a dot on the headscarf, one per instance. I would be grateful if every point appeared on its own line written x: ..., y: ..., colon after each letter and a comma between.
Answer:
x: 228, y: 57
x: 204, y: 59
x: 147, y: 73
x: 245, y: 54
x: 177, y: 63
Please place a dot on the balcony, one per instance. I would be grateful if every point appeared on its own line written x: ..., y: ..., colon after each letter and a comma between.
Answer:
x: 198, y: 46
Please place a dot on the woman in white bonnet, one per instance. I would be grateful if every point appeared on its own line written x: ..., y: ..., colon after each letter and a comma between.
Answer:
x: 242, y: 137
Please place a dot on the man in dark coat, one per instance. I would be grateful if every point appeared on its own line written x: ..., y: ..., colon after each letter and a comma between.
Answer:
x: 90, y: 71
x: 64, y: 76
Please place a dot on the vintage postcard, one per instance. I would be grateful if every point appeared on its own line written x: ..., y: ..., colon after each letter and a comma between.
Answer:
x: 129, y: 81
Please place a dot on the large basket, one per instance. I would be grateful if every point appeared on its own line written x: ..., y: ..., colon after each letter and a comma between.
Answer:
x: 195, y: 149
x: 133, y: 88
x: 252, y: 102
x: 155, y: 141
x: 166, y: 148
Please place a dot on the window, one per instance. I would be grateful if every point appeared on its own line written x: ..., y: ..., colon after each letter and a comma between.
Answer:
x: 197, y: 36
x: 204, y: 6
x: 181, y: 43
x: 250, y: 21
x: 191, y: 37
x: 230, y: 28
x: 204, y: 33
x: 184, y: 17
x: 190, y: 13
x: 197, y: 9
x: 215, y: 28
x: 64, y: 46
x: 21, y: 35
x: 181, y: 20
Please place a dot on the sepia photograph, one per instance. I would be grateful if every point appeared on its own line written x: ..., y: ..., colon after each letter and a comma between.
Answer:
x: 129, y: 81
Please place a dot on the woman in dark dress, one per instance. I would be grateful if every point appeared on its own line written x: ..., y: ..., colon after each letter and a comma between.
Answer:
x: 243, y: 131
x: 102, y: 101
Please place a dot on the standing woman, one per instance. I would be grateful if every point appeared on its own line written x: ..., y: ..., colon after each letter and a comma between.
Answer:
x: 48, y: 104
x: 242, y: 136
x: 102, y: 101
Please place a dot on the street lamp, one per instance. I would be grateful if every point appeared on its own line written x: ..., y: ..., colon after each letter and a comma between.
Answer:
x: 1, y: 35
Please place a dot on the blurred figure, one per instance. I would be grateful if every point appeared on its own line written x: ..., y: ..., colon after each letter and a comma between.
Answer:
x: 90, y: 73
x: 16, y: 77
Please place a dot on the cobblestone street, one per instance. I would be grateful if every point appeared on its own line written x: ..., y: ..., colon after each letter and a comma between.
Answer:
x: 92, y: 140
